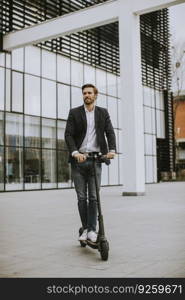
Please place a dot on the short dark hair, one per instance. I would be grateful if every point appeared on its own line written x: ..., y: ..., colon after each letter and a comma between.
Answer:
x: 87, y: 85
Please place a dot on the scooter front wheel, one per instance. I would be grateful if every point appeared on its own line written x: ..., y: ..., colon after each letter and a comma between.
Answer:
x: 104, y: 250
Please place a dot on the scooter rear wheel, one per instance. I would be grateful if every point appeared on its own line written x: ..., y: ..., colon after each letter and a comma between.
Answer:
x: 104, y: 250
x: 83, y: 244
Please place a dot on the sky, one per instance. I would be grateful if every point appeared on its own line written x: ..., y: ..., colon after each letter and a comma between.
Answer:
x: 177, y: 30
x: 177, y: 21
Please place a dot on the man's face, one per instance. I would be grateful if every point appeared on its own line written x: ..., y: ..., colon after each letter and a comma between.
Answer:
x: 88, y: 95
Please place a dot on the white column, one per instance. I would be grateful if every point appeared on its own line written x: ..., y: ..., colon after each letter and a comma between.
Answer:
x: 132, y: 101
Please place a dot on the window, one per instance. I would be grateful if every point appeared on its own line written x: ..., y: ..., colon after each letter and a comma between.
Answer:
x: 60, y: 138
x: 1, y: 168
x: 63, y: 169
x: 17, y: 92
x: 8, y: 89
x: 159, y: 100
x: 112, y: 108
x: 102, y: 100
x: 49, y: 169
x: 48, y: 99
x: 147, y: 120
x: 32, y: 170
x: 63, y: 69
x: 14, y: 168
x: 76, y: 73
x: 32, y: 95
x: 18, y: 59
x: 113, y: 171
x: 48, y: 133
x: 89, y: 74
x: 2, y: 71
x: 32, y: 60
x: 32, y: 132
x: 77, y: 98
x: 1, y: 128
x: 63, y: 101
x: 101, y: 81
x: 14, y: 129
x: 2, y: 59
x: 111, y: 85
x: 48, y: 65
x: 160, y: 124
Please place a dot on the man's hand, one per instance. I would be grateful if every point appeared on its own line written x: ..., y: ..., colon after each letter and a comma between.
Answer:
x: 80, y: 157
x: 110, y: 155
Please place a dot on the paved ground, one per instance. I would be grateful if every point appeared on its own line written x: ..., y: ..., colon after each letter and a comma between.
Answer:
x: 38, y: 234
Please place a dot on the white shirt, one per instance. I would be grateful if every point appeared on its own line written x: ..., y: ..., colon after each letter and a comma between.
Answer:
x: 89, y: 143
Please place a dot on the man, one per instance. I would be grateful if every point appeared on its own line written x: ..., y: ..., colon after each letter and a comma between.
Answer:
x: 85, y: 133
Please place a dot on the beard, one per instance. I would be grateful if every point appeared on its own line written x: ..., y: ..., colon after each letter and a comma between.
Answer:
x: 89, y: 101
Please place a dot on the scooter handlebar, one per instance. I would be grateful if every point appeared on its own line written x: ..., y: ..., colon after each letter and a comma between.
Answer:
x: 103, y: 158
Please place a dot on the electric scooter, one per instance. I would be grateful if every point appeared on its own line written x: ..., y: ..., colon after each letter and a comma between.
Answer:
x: 101, y: 243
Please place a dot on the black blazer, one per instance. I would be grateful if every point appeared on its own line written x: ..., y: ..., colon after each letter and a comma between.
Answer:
x: 76, y: 128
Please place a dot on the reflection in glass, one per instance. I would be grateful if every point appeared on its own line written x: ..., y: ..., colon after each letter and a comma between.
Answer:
x: 63, y: 169
x: 14, y: 168
x: 32, y: 174
x: 1, y: 168
x: 17, y: 91
x: 32, y: 95
x: 1, y: 128
x: 32, y: 132
x: 48, y: 133
x: 14, y: 129
x: 48, y: 98
x: 60, y: 137
x: 49, y: 169
x: 2, y: 71
x: 63, y: 101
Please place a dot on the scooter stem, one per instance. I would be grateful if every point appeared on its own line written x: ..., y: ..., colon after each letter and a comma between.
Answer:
x: 100, y: 216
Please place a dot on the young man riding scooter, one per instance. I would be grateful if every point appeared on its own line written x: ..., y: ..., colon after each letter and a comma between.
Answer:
x: 88, y: 131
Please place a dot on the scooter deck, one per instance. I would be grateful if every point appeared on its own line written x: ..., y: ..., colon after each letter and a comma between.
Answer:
x: 92, y: 244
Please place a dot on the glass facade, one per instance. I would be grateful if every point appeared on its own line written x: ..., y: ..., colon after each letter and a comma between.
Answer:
x: 154, y: 128
x: 37, y: 90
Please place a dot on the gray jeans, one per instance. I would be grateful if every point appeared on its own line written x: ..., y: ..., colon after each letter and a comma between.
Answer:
x: 84, y: 182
